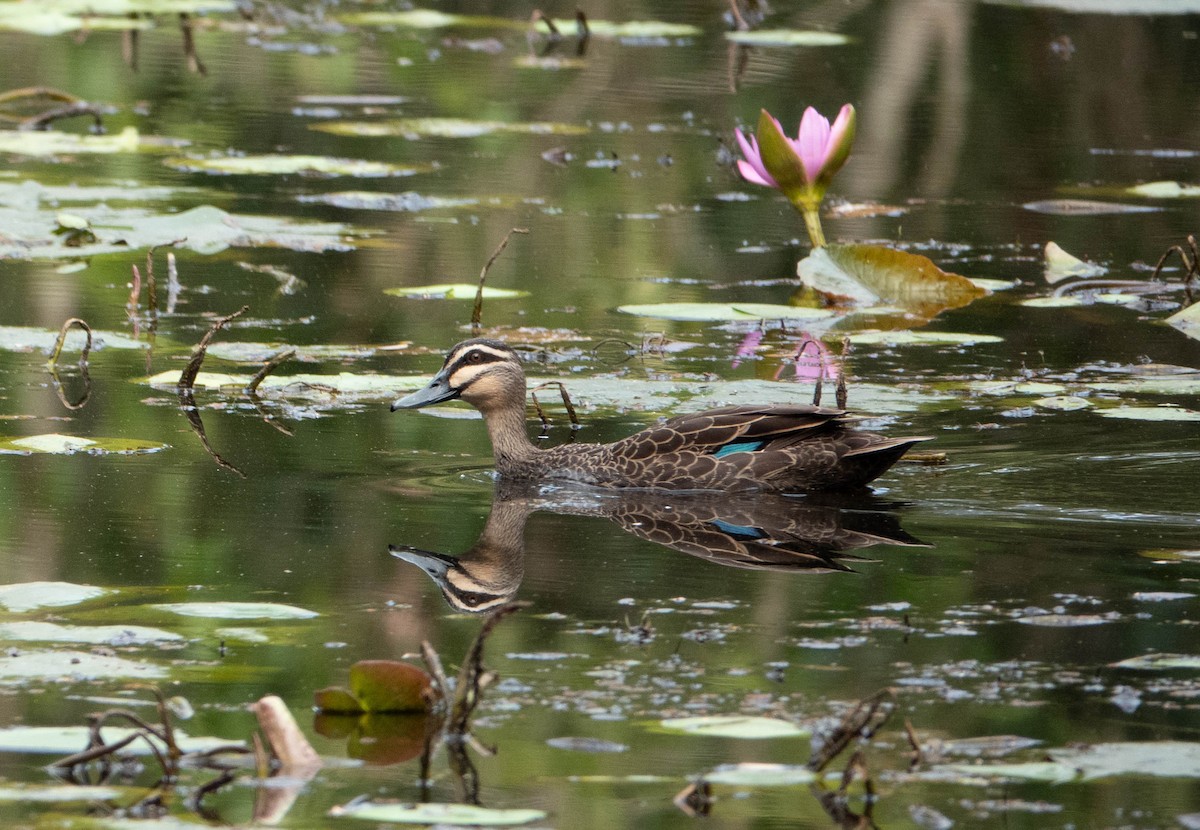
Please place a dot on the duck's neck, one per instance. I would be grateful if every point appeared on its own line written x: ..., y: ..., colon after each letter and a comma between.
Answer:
x: 510, y: 443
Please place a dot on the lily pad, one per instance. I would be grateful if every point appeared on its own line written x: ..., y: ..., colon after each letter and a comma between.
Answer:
x: 873, y: 274
x: 1162, y: 759
x: 787, y: 37
x: 1165, y: 190
x: 428, y: 19
x: 26, y: 596
x: 721, y: 312
x: 115, y: 635
x: 752, y: 774
x: 1047, y: 771
x: 1157, y: 662
x: 416, y: 128
x: 1066, y: 620
x: 283, y: 165
x: 380, y: 686
x: 55, y: 444
x: 906, y: 337
x: 407, y: 202
x: 62, y: 793
x: 735, y: 726
x: 455, y: 815
x: 1085, y: 207
x: 1063, y: 403
x: 1151, y: 413
x: 238, y: 610
x: 1052, y: 302
x: 27, y: 339
x: 74, y: 666
x: 64, y: 740
x: 1187, y: 320
x: 1060, y: 265
x: 247, y: 352
x: 43, y: 143
x: 454, y: 291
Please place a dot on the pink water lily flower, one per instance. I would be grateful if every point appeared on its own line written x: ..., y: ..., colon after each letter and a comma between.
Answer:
x: 800, y: 167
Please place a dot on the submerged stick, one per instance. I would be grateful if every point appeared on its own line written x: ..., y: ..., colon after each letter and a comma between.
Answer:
x: 62, y: 338
x: 862, y: 722
x: 477, y: 311
x: 283, y: 735
x: 472, y: 677
x: 187, y: 378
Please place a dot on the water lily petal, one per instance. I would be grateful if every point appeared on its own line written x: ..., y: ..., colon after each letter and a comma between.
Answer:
x: 758, y: 173
x: 750, y: 174
x: 812, y: 141
x: 841, y: 139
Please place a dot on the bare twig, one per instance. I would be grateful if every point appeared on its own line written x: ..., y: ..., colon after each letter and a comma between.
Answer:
x: 187, y: 378
x: 862, y: 722
x: 918, y: 756
x: 283, y: 735
x: 539, y: 16
x: 842, y: 392
x: 268, y: 367
x: 477, y: 311
x: 62, y: 337
x: 433, y: 662
x: 472, y: 677
x: 695, y: 799
x: 566, y: 399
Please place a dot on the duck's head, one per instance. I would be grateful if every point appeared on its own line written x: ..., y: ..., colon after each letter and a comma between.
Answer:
x: 485, y: 373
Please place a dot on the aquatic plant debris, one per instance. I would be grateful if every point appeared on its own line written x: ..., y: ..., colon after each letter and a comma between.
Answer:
x: 1061, y: 265
x: 871, y: 274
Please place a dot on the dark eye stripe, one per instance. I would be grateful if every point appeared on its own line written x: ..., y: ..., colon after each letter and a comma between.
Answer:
x: 483, y: 357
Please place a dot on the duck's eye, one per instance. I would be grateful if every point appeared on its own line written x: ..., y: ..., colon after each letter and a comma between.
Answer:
x: 474, y: 357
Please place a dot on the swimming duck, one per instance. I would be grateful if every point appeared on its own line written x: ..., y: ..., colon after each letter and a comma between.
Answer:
x: 771, y: 447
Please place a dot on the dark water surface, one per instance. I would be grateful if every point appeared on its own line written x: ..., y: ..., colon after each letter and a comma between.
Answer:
x: 1049, y: 537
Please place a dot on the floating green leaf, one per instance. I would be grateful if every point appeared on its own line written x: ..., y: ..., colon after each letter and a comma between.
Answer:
x: 407, y: 202
x: 870, y: 274
x: 1052, y: 302
x: 25, y: 596
x: 248, y: 352
x: 56, y: 444
x: 1162, y: 759
x: 1047, y: 771
x: 1165, y: 190
x: 415, y: 128
x: 906, y: 337
x: 752, y: 774
x: 1066, y: 620
x: 26, y: 339
x: 787, y: 37
x: 1060, y: 265
x: 454, y: 291
x: 64, y: 740
x: 238, y: 610
x: 380, y: 686
x: 735, y: 726
x: 455, y: 815
x: 1150, y: 413
x: 74, y: 665
x: 719, y: 312
x: 1157, y: 662
x: 1064, y: 403
x: 63, y: 793
x: 121, y: 635
x: 1187, y: 320
x: 283, y: 165
x: 43, y: 143
x: 428, y: 19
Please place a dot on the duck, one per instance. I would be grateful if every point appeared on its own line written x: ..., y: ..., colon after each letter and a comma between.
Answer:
x: 772, y: 447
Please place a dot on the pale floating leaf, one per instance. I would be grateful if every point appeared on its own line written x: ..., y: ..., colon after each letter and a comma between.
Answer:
x: 1119, y: 7
x: 283, y: 165
x: 907, y: 337
x: 245, y: 635
x: 751, y: 774
x: 74, y: 666
x: 407, y: 202
x: 427, y: 19
x: 42, y: 143
x: 745, y: 727
x: 1187, y: 320
x: 1160, y: 596
x: 1066, y: 620
x: 25, y: 596
x: 576, y: 744
x: 416, y: 128
x: 1052, y: 302
x: 1064, y: 403
x: 114, y: 635
x: 1172, y: 555
x: 56, y: 444
x: 1060, y: 265
x: 1177, y: 384
x: 65, y: 740
x: 1015, y: 387
x: 454, y: 291
x: 238, y: 610
x: 787, y: 37
x: 721, y: 312
x: 1085, y: 207
x: 993, y: 285
x: 1163, y: 759
x: 1157, y: 662
x: 1047, y: 771
x: 63, y: 793
x: 870, y: 274
x: 1165, y: 190
x: 1150, y: 413
x: 620, y: 779
x: 633, y: 29
x: 412, y: 19
x: 247, y: 352
x: 1117, y: 298
x: 990, y: 746
x: 455, y: 815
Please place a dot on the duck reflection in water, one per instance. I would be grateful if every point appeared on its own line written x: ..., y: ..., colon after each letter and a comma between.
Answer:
x: 760, y: 532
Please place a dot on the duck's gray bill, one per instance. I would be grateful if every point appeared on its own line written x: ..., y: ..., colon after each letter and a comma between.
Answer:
x: 437, y: 391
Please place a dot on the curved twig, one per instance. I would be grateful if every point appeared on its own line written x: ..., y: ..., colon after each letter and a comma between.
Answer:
x: 62, y: 337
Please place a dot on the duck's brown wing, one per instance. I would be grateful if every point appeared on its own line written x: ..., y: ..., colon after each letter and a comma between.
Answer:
x: 714, y: 429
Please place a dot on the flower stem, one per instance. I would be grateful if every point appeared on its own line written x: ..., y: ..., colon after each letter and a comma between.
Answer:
x: 812, y: 223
